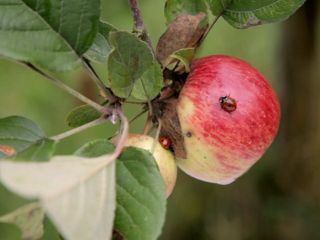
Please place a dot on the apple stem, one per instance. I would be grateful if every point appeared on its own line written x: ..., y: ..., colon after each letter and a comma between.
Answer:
x: 148, y: 126
x: 157, y: 135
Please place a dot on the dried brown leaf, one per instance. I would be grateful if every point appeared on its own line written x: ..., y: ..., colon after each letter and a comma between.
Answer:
x: 184, y: 32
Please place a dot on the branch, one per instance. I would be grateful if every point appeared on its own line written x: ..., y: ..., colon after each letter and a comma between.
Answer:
x: 65, y: 87
x: 79, y: 129
x: 123, y: 135
x: 209, y: 28
x: 138, y: 23
x: 156, y: 136
x: 104, y: 91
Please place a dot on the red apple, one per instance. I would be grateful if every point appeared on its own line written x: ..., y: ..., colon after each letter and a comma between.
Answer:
x: 229, y: 116
x: 163, y: 157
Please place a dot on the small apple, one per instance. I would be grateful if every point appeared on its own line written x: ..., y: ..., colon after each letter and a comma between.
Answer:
x: 163, y: 157
x: 229, y: 116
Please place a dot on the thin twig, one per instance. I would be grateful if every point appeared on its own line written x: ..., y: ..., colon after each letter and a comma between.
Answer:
x: 157, y: 136
x: 135, y: 103
x: 137, y: 116
x: 79, y: 129
x: 139, y: 24
x: 65, y: 87
x: 148, y: 98
x: 130, y: 121
x: 147, y: 126
x: 105, y: 92
x: 124, y: 131
x: 209, y: 28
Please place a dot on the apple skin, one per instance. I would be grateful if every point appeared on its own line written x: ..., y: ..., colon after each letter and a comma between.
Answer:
x: 163, y: 157
x: 221, y: 145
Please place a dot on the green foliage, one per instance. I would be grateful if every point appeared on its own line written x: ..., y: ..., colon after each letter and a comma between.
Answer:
x: 244, y: 13
x: 25, y: 138
x: 29, y: 219
x: 95, y: 148
x: 141, y: 201
x: 50, y: 232
x: 39, y: 151
x: 128, y: 62
x: 238, y: 13
x: 185, y: 56
x: 53, y: 36
x: 150, y: 83
x: 82, y: 115
x: 175, y: 8
x: 100, y: 49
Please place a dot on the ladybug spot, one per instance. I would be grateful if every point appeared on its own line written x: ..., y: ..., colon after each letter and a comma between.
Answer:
x: 165, y: 142
x: 228, y: 103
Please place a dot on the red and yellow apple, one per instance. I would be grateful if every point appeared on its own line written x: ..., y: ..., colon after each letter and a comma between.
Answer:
x: 163, y: 157
x: 229, y: 116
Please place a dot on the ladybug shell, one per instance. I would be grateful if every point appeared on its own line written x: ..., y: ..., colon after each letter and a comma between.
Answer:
x: 228, y: 104
x: 165, y: 142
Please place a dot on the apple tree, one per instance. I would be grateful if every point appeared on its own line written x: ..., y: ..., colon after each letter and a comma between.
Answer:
x: 212, y: 117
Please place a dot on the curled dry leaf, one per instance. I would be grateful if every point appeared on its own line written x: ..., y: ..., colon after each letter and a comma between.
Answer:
x: 78, y: 194
x: 184, y: 32
x: 29, y: 219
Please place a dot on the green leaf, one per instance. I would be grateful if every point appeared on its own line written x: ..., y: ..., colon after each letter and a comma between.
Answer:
x: 25, y: 139
x: 141, y: 201
x: 150, y: 83
x: 40, y: 151
x: 218, y: 6
x: 52, y: 34
x: 82, y: 115
x: 185, y: 56
x: 50, y: 232
x: 247, y: 13
x: 129, y: 60
x: 29, y: 219
x: 175, y: 8
x: 100, y: 49
x: 106, y: 28
x: 95, y: 148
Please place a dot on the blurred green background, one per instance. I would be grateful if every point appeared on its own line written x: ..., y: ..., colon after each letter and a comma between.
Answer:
x: 279, y: 198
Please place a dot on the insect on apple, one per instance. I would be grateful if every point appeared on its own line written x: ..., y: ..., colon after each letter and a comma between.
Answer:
x: 222, y: 148
x: 228, y: 103
x: 165, y: 142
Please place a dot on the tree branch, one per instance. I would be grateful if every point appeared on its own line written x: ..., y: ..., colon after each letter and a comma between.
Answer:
x: 209, y: 28
x: 139, y: 26
x: 79, y: 129
x: 104, y: 91
x: 66, y: 88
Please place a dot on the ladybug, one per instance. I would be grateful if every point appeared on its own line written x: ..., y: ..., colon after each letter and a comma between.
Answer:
x: 165, y: 142
x: 228, y: 104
